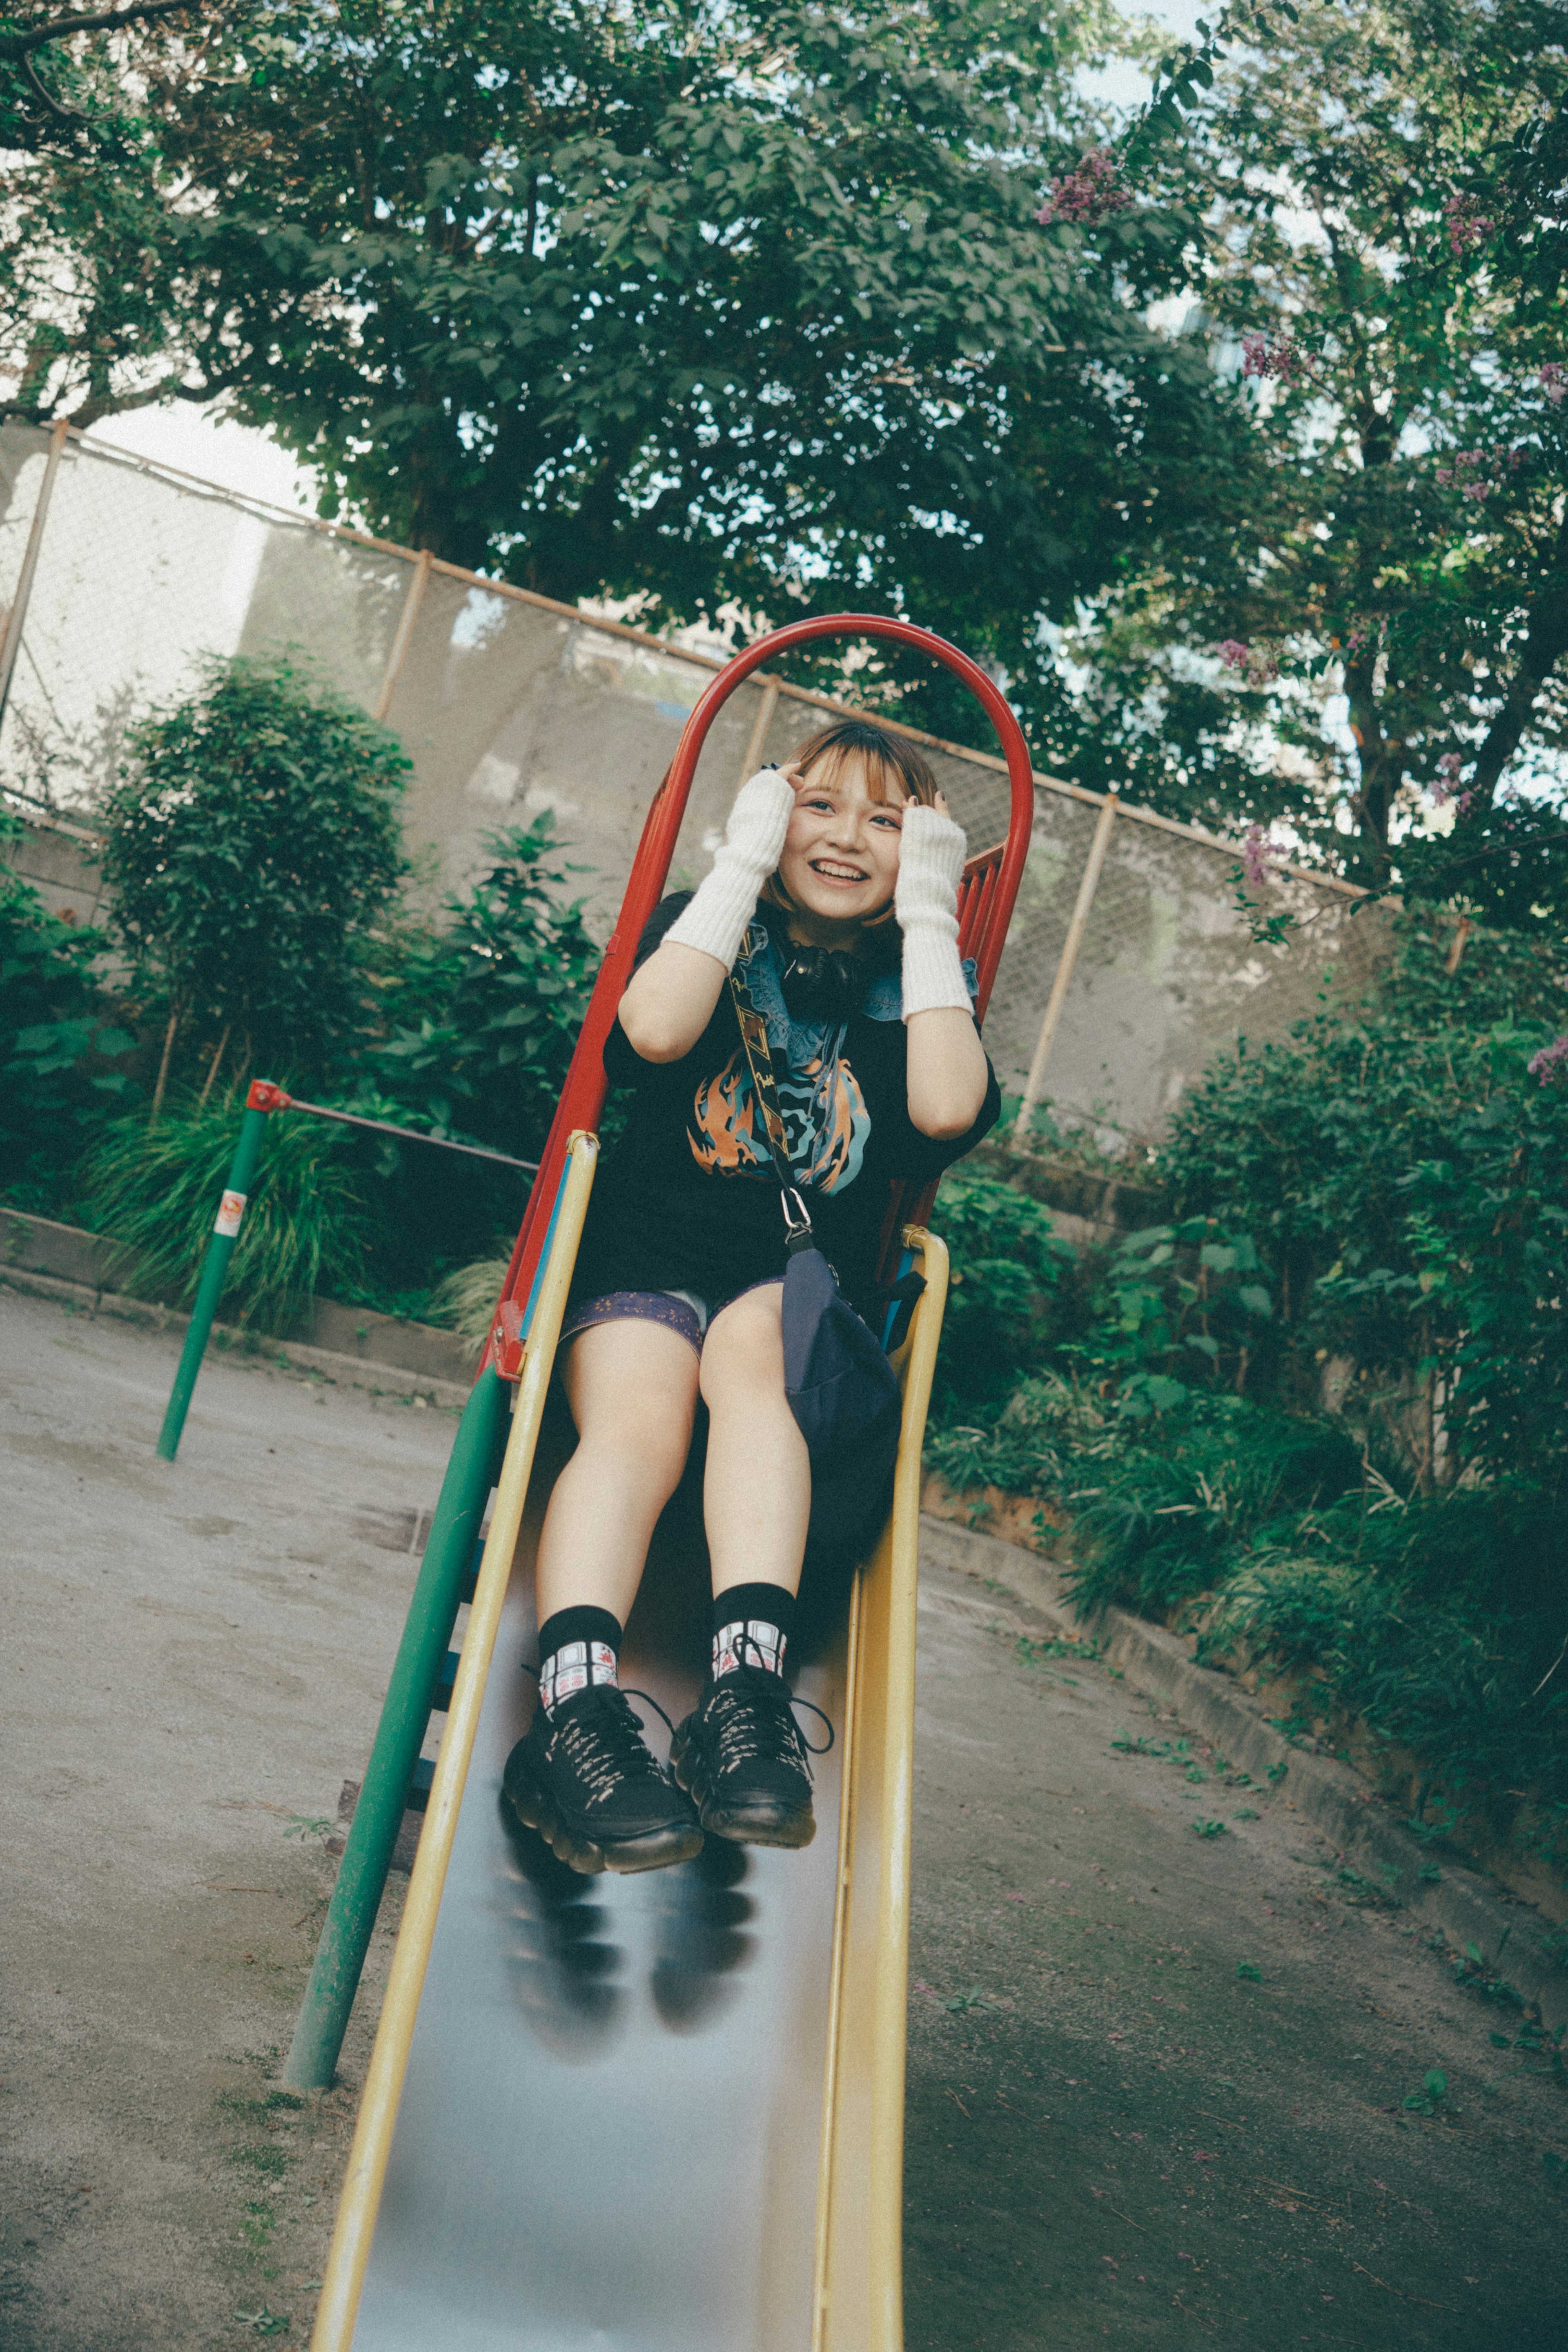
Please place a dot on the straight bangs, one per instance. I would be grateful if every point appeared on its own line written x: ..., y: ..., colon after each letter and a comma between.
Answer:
x: 892, y: 765
x: 893, y: 768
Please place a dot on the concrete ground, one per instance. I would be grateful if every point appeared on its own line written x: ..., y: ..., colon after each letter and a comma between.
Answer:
x: 1157, y: 2077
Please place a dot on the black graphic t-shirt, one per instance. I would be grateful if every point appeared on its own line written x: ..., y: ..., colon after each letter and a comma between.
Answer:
x: 687, y: 1198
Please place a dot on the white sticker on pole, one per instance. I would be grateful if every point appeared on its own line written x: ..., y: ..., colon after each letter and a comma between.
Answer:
x: 231, y: 1209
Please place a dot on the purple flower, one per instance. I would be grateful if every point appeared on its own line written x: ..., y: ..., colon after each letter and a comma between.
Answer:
x: 1447, y: 776
x: 1466, y: 224
x: 1476, y: 472
x: 1088, y: 194
x: 1256, y: 852
x: 1545, y: 1065
x: 1233, y: 654
x: 1554, y: 382
x: 1259, y: 357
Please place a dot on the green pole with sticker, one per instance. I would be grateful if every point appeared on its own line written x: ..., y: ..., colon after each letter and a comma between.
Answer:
x: 263, y: 1097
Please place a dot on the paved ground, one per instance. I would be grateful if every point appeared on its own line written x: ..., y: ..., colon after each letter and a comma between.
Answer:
x: 1114, y: 2137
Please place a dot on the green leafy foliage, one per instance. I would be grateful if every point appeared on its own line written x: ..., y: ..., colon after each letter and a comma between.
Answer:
x: 63, y: 1051
x: 483, y: 1012
x: 1166, y: 1521
x: 1384, y: 269
x: 705, y: 305
x: 1430, y: 2096
x: 1403, y: 1173
x: 1008, y: 1265
x: 251, y: 842
x: 155, y: 1191
x: 476, y: 1018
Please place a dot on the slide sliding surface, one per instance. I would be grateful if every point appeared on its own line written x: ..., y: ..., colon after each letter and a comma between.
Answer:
x: 663, y: 2113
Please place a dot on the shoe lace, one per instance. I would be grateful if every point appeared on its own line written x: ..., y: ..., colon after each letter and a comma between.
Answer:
x: 603, y: 1742
x: 752, y: 1714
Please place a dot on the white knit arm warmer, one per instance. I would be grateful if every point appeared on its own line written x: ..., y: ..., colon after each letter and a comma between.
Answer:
x: 931, y: 851
x: 753, y: 844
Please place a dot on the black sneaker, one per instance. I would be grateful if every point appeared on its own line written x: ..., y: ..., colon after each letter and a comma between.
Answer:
x: 584, y: 1777
x: 743, y: 1758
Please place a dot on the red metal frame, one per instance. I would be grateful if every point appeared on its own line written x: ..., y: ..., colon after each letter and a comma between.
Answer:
x: 985, y: 907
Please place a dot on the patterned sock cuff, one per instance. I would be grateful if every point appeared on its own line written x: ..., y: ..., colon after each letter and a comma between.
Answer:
x: 575, y: 1666
x: 748, y: 1641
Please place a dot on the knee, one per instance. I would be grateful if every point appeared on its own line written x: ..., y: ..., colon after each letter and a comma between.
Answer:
x: 650, y: 1442
x: 744, y: 1350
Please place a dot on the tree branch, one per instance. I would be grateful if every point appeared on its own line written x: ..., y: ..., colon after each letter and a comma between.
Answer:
x: 17, y: 45
x: 1546, y: 640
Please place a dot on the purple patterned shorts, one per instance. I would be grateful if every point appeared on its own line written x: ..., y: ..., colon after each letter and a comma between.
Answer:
x: 677, y: 1310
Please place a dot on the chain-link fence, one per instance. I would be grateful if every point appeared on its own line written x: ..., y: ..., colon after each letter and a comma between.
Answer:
x: 509, y: 705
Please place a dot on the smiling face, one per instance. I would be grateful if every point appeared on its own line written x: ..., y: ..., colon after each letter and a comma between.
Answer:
x: 841, y: 854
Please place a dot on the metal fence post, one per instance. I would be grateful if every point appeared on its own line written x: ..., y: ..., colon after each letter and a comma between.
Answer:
x: 220, y: 1249
x: 11, y: 635
x: 400, y: 644
x: 1070, y: 946
x: 351, y: 1915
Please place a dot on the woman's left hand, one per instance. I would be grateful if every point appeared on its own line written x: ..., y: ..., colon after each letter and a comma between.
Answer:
x: 931, y: 854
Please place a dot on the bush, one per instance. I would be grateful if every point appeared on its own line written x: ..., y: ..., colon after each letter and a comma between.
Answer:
x: 1402, y: 1178
x: 62, y: 1050
x: 155, y: 1192
x: 1164, y: 1525
x: 483, y: 1015
x: 251, y: 843
x: 1008, y: 1265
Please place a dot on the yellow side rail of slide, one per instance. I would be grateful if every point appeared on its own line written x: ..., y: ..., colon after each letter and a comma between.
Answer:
x: 860, y: 2196
x: 857, y: 2294
x: 357, y: 2210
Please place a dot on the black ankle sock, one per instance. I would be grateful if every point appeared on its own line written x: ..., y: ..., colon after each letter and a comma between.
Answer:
x: 578, y: 1647
x: 765, y: 1613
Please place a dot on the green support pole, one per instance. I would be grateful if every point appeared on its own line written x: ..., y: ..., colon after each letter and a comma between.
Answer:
x: 351, y: 1915
x: 220, y: 1249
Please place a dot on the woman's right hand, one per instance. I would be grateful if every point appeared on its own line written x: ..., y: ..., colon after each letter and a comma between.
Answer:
x: 760, y: 819
x: 669, y: 1001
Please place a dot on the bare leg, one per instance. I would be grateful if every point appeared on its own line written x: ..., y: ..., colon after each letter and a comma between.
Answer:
x: 632, y: 1388
x: 757, y: 1496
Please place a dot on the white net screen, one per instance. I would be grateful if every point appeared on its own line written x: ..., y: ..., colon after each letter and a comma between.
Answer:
x: 508, y: 706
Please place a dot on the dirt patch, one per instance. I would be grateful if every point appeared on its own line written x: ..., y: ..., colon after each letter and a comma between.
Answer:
x: 194, y: 1658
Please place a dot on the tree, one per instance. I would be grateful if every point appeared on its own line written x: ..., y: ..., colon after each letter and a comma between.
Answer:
x: 250, y: 839
x: 1383, y: 249
x: 714, y: 305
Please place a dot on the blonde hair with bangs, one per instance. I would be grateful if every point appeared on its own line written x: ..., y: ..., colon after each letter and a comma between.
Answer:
x: 889, y: 758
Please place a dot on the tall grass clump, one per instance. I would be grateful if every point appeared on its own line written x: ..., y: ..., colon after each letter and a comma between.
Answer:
x: 154, y: 1191
x: 464, y: 1299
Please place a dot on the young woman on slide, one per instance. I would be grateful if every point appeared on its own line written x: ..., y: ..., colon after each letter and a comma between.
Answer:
x: 836, y: 886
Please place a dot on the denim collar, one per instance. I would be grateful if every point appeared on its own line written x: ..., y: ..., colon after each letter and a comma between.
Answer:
x: 806, y: 1041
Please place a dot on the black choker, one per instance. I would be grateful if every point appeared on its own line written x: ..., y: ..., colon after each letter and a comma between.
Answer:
x: 823, y: 984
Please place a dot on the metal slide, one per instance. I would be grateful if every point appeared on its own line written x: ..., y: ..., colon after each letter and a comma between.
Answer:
x: 656, y: 2114
x: 662, y: 2114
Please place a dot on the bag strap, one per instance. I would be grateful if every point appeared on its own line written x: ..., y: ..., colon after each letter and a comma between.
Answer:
x: 754, y: 1038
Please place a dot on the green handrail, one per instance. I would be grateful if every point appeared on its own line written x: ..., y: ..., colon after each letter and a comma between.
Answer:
x: 351, y: 1915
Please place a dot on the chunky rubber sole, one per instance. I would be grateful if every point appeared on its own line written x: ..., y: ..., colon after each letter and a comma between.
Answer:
x: 657, y: 1849
x: 766, y: 1821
